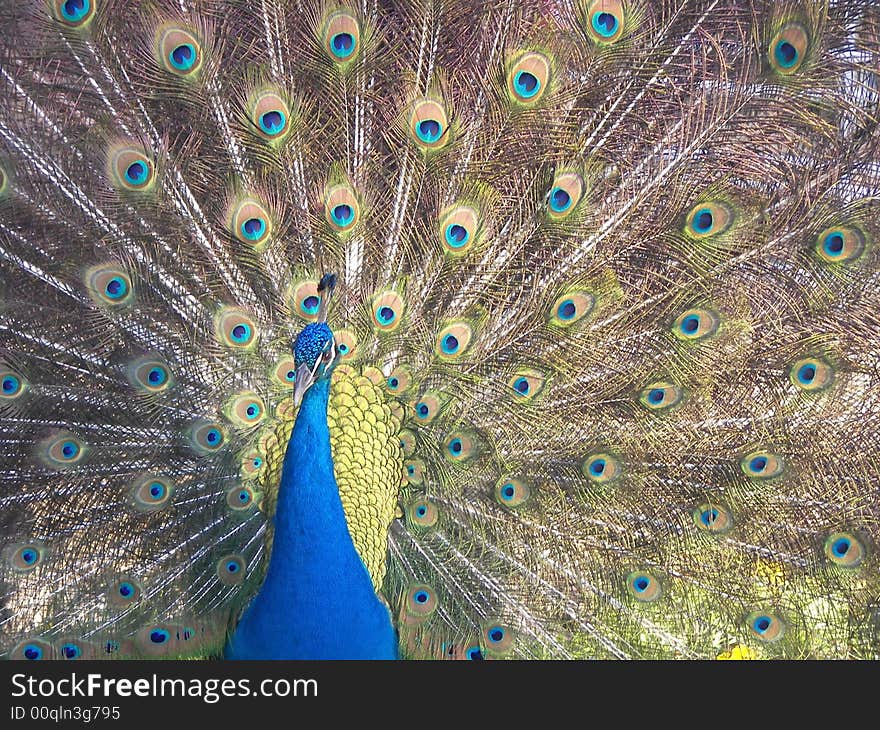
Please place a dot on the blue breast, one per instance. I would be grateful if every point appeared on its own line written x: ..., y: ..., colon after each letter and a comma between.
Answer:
x: 317, y: 601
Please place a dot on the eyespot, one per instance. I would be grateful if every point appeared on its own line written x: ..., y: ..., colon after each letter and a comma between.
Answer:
x: 24, y: 558
x: 270, y: 115
x: 713, y: 518
x: 346, y: 344
x: 284, y: 372
x: 526, y: 385
x: 564, y: 195
x: 473, y: 653
x: 342, y: 37
x: 235, y: 329
x: 250, y: 223
x: 208, y: 437
x: 426, y: 408
x: 428, y: 125
x: 252, y: 463
x: 528, y: 78
x: 399, y: 380
x: 73, y: 13
x: 708, y: 219
x: 341, y: 208
x: 459, y: 447
x: 387, y: 311
x: 845, y: 549
x: 33, y: 650
x: 150, y: 375
x: 157, y: 635
x: 643, y: 586
x: 414, y: 471
x: 453, y: 340
x: 63, y: 450
x: 151, y: 494
x: 70, y: 650
x: 570, y: 308
x: 109, y: 286
x: 179, y: 51
x: 407, y: 442
x: 762, y: 465
x: 660, y: 395
x: 788, y: 49
x: 695, y: 324
x: 246, y: 409
x: 306, y: 301
x: 12, y: 385
x: 497, y: 639
x: 511, y: 492
x: 231, y: 570
x: 601, y: 468
x: 765, y: 625
x: 125, y: 591
x: 131, y: 169
x: 420, y: 604
x: 459, y: 229
x: 811, y: 374
x: 605, y: 21
x: 840, y: 245
x: 240, y: 498
x: 423, y: 513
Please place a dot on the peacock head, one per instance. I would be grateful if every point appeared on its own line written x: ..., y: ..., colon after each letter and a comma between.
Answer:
x: 314, y: 350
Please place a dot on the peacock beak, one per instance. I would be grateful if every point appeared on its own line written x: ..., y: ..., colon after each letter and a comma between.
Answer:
x: 305, y: 377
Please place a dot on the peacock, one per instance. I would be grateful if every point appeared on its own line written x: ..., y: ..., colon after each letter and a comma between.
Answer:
x: 440, y: 329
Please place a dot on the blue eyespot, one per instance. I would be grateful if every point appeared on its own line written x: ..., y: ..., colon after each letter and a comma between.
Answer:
x: 33, y: 652
x: 521, y: 386
x: 342, y: 214
x: 708, y: 516
x: 157, y: 376
x: 429, y: 130
x: 455, y: 447
x: 473, y: 653
x: 75, y: 10
x: 311, y: 304
x: 833, y: 244
x: 159, y: 636
x: 136, y: 173
x: 253, y: 229
x: 597, y: 467
x: 69, y: 450
x: 450, y: 344
x: 116, y: 288
x: 605, y: 24
x: 183, y: 57
x: 422, y: 410
x: 157, y: 490
x: 252, y: 411
x: 841, y: 546
x: 496, y: 634
x: 258, y: 462
x: 690, y: 324
x: 761, y: 624
x: 560, y: 200
x: 786, y: 54
x: 232, y: 567
x: 273, y: 122
x: 11, y: 384
x: 421, y: 597
x: 508, y: 491
x: 393, y: 383
x: 342, y: 45
x: 806, y: 374
x: 126, y: 589
x: 421, y: 510
x: 758, y: 464
x: 343, y: 348
x: 241, y: 333
x: 386, y: 315
x: 703, y: 221
x: 214, y: 436
x: 456, y: 235
x: 70, y: 651
x: 526, y: 84
x: 566, y: 310
x: 656, y: 395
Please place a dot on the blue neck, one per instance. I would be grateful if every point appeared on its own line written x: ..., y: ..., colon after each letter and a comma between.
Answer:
x: 317, y: 601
